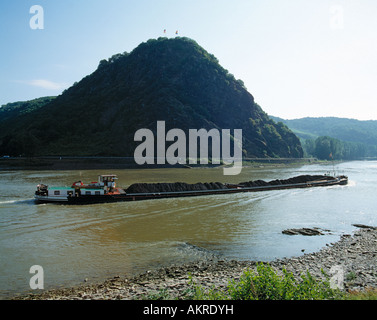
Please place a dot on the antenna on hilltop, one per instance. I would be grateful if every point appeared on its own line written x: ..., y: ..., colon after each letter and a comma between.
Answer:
x: 176, y: 32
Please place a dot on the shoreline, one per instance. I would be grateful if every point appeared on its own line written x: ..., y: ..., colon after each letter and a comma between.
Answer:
x: 356, y: 255
x: 113, y: 163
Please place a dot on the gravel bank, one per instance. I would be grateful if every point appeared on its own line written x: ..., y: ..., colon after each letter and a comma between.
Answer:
x: 354, y: 255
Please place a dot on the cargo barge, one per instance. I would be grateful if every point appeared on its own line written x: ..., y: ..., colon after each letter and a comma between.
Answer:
x: 105, y: 190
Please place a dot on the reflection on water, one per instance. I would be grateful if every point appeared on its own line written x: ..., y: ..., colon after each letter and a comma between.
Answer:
x: 96, y: 241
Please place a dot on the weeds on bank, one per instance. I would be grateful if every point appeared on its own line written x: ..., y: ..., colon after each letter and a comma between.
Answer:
x: 266, y: 284
x: 368, y: 294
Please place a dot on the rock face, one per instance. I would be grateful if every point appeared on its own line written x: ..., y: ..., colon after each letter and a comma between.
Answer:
x: 171, y: 80
x: 305, y: 231
x: 363, y: 226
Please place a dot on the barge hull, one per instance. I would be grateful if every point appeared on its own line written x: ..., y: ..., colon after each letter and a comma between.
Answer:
x: 92, y: 199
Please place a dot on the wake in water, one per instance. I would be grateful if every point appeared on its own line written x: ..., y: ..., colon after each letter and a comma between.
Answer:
x: 22, y: 201
x: 351, y: 183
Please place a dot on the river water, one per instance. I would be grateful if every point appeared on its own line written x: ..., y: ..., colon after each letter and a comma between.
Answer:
x: 94, y: 242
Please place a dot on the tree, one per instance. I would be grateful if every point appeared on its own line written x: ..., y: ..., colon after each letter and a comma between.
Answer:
x: 323, y: 148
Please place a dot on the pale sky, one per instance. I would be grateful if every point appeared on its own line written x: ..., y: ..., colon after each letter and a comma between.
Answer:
x: 298, y: 58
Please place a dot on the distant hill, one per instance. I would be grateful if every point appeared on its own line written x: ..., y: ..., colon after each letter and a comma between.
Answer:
x: 14, y: 110
x: 174, y: 80
x: 360, y: 136
x: 339, y: 128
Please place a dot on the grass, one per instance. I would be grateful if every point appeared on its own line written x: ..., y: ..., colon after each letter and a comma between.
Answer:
x: 263, y: 284
x: 266, y: 284
x: 368, y: 294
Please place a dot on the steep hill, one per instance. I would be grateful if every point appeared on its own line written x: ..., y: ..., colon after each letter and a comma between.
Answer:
x: 174, y: 80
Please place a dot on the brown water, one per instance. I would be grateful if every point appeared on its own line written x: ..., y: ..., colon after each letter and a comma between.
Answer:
x: 73, y: 243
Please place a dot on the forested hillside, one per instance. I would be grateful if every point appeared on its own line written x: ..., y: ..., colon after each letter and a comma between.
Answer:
x: 341, y: 138
x: 172, y: 80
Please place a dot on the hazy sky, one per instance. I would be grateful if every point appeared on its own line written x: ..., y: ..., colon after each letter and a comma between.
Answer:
x: 297, y: 58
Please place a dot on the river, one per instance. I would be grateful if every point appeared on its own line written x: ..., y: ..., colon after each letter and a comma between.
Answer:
x: 94, y: 242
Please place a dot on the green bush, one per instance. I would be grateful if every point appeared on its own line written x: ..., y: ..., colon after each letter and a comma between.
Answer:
x: 266, y: 284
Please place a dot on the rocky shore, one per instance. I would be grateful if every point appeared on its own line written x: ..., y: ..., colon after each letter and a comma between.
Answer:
x: 353, y: 258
